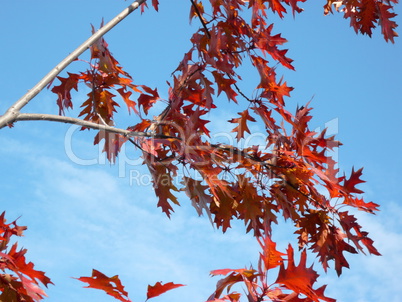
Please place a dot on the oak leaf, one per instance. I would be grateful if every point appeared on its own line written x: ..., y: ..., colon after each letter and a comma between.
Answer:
x: 111, y: 285
x: 159, y: 288
x: 300, y: 279
x: 350, y: 184
x: 270, y: 257
x: 242, y: 121
x: 149, y: 99
x: 247, y: 276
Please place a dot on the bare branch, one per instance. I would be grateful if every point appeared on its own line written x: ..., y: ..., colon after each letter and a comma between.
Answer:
x: 10, y: 116
x: 80, y: 122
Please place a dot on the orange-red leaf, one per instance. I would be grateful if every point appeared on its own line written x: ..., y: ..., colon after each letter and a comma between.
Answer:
x: 111, y: 285
x: 159, y: 288
x: 299, y: 278
x: 270, y: 256
x: 126, y: 97
x: 277, y: 6
x: 242, y: 121
x: 147, y: 100
x: 224, y: 84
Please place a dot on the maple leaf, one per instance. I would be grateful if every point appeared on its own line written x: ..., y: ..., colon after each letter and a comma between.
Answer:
x: 111, y: 285
x: 159, y: 288
x: 299, y: 278
x: 328, y: 6
x: 242, y: 121
x: 106, y: 62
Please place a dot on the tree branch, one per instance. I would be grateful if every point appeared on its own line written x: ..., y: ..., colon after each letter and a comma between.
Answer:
x: 197, y: 11
x: 80, y: 122
x: 13, y: 112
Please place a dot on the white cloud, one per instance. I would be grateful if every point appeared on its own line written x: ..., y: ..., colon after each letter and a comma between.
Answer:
x: 81, y: 218
x: 85, y: 217
x: 373, y: 278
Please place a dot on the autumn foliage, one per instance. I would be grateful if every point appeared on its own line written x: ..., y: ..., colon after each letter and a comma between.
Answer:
x: 292, y: 175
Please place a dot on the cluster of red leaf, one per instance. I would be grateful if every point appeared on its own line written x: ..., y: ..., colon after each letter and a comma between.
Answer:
x: 105, y: 79
x: 365, y: 15
x: 19, y: 281
x: 293, y: 175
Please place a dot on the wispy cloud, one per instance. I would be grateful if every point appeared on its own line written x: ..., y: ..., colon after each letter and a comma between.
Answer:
x: 84, y: 217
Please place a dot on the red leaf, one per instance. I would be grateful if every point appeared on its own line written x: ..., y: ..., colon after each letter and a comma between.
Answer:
x: 155, y: 4
x: 19, y: 265
x: 225, y: 271
x: 299, y: 278
x: 242, y: 121
x: 350, y: 184
x: 276, y: 6
x: 112, y: 286
x: 63, y: 91
x: 159, y: 288
x: 196, y: 192
x: 224, y: 84
x: 162, y: 181
x: 126, y: 97
x: 247, y: 276
x: 112, y: 144
x: 270, y: 256
x: 147, y: 100
x: 387, y: 26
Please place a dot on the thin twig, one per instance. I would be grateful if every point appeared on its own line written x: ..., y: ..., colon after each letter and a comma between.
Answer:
x: 209, y: 36
x: 267, y: 165
x: 201, y: 19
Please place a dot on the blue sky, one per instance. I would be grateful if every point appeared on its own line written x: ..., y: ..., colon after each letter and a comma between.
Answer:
x: 83, y: 213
